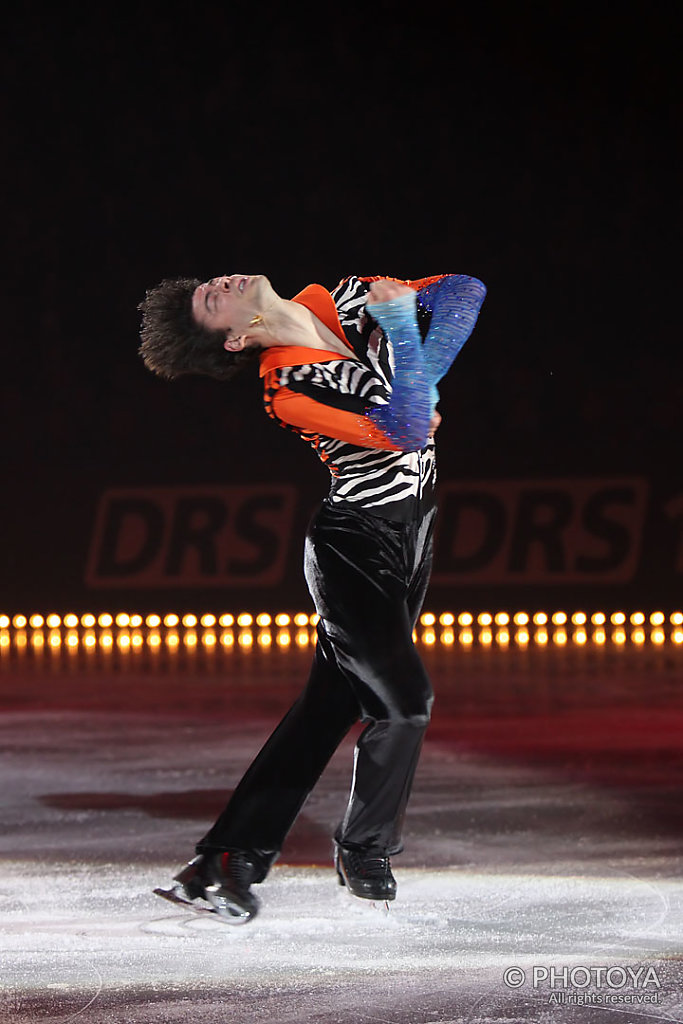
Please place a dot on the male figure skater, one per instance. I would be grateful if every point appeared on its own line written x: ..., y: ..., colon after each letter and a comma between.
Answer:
x: 354, y: 373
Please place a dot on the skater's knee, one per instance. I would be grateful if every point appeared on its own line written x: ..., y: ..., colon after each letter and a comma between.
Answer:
x: 415, y: 714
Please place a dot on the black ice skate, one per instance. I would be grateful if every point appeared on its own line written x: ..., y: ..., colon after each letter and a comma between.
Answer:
x: 223, y: 880
x: 365, y: 875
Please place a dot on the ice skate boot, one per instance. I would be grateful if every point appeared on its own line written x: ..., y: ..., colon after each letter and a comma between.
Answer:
x: 364, y: 874
x: 223, y: 880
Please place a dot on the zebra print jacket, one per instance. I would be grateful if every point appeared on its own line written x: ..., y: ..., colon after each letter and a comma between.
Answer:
x: 328, y: 399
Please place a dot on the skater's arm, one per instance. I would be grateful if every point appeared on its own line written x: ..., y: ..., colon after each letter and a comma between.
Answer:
x: 315, y: 416
x: 406, y: 417
x: 454, y: 302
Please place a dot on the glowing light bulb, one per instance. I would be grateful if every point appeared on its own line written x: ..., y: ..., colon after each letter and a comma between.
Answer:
x: 122, y: 619
x: 465, y: 619
x: 598, y: 618
x: 520, y: 618
x: 226, y: 619
x: 36, y: 621
x: 153, y: 621
x: 19, y: 621
x: 171, y: 620
x: 637, y: 618
x: 263, y: 619
x: 282, y: 619
x: 446, y: 619
x: 427, y: 619
x: 617, y: 618
x: 540, y: 618
x: 579, y: 619
x: 657, y: 618
x: 501, y: 618
x: 189, y: 621
x: 88, y: 620
x: 559, y: 618
x: 484, y: 618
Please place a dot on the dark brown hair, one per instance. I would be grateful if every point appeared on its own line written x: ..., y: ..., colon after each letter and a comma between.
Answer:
x: 174, y: 344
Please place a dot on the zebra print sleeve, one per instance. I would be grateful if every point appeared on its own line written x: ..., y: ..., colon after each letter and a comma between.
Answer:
x: 344, y: 377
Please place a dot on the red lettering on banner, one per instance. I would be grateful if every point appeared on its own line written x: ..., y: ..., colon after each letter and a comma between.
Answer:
x: 539, y: 531
x: 674, y: 510
x: 192, y: 536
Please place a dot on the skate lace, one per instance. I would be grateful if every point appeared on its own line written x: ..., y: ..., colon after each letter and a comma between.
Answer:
x: 370, y: 867
x: 237, y: 869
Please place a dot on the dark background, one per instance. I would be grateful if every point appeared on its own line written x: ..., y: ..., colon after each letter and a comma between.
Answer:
x: 534, y: 146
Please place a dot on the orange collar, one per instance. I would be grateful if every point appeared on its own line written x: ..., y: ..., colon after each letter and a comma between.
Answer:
x: 321, y: 304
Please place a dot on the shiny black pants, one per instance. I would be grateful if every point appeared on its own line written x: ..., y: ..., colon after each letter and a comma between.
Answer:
x: 368, y: 577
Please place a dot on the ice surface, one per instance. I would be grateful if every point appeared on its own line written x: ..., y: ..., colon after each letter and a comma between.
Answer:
x: 519, y: 852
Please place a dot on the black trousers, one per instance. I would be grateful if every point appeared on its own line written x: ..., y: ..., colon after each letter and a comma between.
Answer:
x: 368, y: 577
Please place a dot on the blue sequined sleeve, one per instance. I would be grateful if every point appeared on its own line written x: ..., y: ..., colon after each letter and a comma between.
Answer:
x: 405, y: 419
x: 454, y: 303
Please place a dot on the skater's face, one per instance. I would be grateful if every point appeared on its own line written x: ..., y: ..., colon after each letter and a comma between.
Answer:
x: 229, y: 303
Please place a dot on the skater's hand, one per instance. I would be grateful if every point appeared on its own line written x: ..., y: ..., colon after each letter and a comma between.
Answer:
x: 382, y: 291
x: 434, y: 423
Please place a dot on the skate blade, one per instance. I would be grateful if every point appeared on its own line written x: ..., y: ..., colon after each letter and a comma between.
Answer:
x: 228, y: 910
x: 224, y: 910
x: 173, y: 896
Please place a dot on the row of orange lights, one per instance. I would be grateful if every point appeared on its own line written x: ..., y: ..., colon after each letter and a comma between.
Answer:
x: 124, y: 620
x: 127, y: 640
x: 245, y: 620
